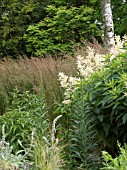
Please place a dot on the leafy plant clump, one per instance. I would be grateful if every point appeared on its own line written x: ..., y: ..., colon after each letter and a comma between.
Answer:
x: 27, y: 113
x: 118, y: 163
x: 44, y: 152
x: 94, y: 107
x: 79, y: 127
x: 47, y: 150
x: 82, y: 136
x: 105, y: 94
x: 8, y: 160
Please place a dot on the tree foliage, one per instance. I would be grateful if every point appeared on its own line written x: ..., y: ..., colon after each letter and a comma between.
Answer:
x: 61, y: 29
x: 15, y: 17
x: 120, y: 16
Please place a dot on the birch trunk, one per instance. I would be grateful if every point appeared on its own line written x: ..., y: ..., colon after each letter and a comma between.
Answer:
x: 108, y: 24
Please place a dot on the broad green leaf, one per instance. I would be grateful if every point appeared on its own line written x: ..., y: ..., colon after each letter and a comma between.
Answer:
x: 97, y: 84
x: 124, y: 118
x: 100, y: 117
x: 106, y: 127
x: 97, y: 110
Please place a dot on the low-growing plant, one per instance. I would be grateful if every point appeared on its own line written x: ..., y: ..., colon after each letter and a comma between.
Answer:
x: 47, y: 150
x: 8, y: 160
x: 27, y: 112
x: 43, y: 153
x: 118, y: 163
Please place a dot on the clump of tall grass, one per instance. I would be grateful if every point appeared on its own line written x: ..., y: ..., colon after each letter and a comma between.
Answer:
x: 98, y: 48
x: 43, y: 153
x: 47, y: 150
x: 31, y: 74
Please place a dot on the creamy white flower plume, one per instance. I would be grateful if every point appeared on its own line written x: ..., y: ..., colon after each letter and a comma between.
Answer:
x: 90, y: 63
x: 69, y: 84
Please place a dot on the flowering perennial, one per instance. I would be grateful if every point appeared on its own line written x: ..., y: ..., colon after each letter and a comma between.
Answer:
x: 87, y: 65
x: 90, y: 63
x: 69, y: 84
x: 118, y: 46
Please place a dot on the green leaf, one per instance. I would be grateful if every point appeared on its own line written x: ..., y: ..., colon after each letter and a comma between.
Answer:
x: 106, y: 127
x: 124, y: 118
x: 104, y: 101
x: 97, y: 84
x: 91, y: 96
x: 100, y: 117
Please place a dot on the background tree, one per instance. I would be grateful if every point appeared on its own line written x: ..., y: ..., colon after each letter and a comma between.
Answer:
x: 119, y: 9
x: 108, y: 23
x: 15, y: 17
x: 61, y: 29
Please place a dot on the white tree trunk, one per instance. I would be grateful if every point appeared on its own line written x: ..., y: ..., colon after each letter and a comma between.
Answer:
x: 108, y: 23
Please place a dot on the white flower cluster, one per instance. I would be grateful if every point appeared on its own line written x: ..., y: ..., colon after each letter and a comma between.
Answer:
x: 69, y: 84
x: 118, y: 46
x: 90, y: 63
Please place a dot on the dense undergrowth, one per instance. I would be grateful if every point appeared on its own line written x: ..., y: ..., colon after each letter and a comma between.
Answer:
x: 51, y: 120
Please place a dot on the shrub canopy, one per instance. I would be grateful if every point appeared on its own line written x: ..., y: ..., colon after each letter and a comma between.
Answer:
x: 60, y: 30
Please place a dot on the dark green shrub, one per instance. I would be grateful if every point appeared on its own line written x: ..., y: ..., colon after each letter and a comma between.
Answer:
x: 105, y: 94
x: 15, y: 17
x: 120, y: 25
x: 97, y: 114
x: 60, y: 30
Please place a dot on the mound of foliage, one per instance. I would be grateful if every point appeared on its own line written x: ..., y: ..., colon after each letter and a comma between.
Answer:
x: 27, y: 113
x: 96, y: 114
x: 107, y: 101
x: 60, y: 30
x: 118, y: 163
x: 105, y: 98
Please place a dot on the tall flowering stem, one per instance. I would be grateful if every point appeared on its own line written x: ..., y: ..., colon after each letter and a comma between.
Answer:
x: 69, y: 84
x: 54, y: 129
